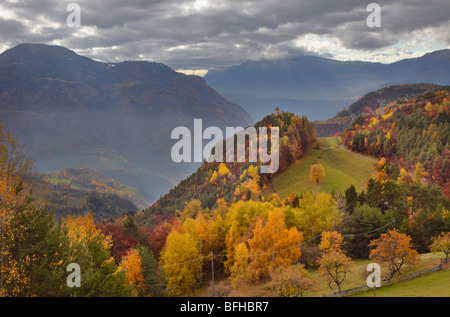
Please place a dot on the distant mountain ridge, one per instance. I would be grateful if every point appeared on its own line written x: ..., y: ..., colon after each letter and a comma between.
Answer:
x: 320, y: 87
x: 116, y: 118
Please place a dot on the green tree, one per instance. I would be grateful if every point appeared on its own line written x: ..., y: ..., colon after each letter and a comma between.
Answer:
x: 351, y: 198
x: 362, y: 227
x: 90, y: 249
x: 155, y: 280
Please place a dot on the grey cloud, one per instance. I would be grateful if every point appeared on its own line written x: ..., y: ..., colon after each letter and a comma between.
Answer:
x: 227, y: 33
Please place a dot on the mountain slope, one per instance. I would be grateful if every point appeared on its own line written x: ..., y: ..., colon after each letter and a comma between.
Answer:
x: 215, y: 182
x: 320, y: 87
x: 410, y: 132
x: 80, y: 190
x: 116, y: 118
x: 370, y: 103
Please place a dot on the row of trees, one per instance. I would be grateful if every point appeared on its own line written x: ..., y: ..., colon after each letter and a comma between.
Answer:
x: 236, y: 233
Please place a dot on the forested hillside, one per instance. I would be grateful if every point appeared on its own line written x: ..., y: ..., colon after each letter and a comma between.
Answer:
x: 233, y: 180
x: 410, y: 134
x: 370, y: 103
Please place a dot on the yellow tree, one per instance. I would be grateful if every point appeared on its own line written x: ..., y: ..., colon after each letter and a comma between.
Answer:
x: 393, y: 249
x: 80, y: 227
x: 316, y: 173
x: 441, y: 243
x: 223, y: 169
x: 273, y: 245
x: 380, y: 167
x: 182, y: 262
x: 213, y: 177
x: 334, y: 264
x: 132, y: 263
x: 419, y: 173
x: 203, y: 229
x: 240, y: 275
x: 403, y: 175
x: 316, y: 214
x: 232, y: 241
x: 331, y: 240
x: 191, y: 210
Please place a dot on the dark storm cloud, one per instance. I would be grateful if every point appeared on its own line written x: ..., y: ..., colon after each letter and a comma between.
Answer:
x: 215, y: 34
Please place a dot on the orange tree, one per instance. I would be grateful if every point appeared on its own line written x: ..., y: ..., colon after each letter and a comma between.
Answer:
x: 274, y: 245
x: 292, y: 281
x: 393, y: 249
x: 334, y: 264
x: 132, y: 263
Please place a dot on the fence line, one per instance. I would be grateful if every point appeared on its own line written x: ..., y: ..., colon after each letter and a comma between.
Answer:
x: 387, y: 282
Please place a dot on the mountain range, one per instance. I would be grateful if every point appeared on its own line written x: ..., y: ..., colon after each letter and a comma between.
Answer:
x: 116, y: 118
x: 320, y: 87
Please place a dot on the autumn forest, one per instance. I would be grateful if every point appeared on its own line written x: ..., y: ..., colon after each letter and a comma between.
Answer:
x: 224, y: 228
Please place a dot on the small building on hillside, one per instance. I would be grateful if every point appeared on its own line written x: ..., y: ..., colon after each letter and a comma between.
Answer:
x: 276, y: 111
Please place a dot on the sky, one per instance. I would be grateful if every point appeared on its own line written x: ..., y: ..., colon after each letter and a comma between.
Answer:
x: 201, y: 35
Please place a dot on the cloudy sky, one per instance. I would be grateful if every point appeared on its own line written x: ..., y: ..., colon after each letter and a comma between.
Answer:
x: 213, y: 34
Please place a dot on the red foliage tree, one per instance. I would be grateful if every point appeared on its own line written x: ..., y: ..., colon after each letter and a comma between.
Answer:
x: 121, y: 242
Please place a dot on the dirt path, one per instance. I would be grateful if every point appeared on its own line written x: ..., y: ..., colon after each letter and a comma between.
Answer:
x: 366, y: 157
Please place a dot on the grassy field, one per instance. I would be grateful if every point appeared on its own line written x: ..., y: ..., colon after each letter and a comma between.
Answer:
x: 341, y: 170
x: 431, y: 284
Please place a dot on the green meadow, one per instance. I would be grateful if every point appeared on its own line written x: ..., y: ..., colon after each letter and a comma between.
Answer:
x: 342, y: 169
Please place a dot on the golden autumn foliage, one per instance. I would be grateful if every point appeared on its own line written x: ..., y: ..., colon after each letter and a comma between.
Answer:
x: 132, y: 264
x: 419, y: 173
x: 393, y: 249
x: 240, y: 275
x: 441, y: 243
x: 223, y: 169
x: 80, y: 227
x: 380, y: 167
x: 276, y: 245
x: 248, y: 189
x: 331, y: 240
x: 316, y: 213
x: 191, y: 209
x: 181, y: 260
x: 316, y: 173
